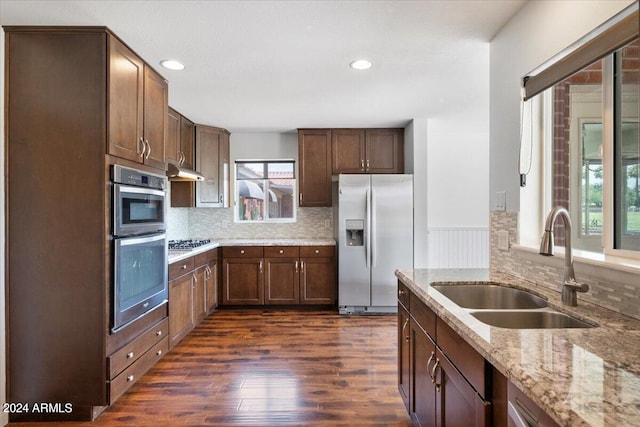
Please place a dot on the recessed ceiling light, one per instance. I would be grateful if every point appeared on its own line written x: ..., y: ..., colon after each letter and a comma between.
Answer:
x: 361, y: 64
x: 172, y: 64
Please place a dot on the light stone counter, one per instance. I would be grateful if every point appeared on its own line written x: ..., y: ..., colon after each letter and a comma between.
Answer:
x: 175, y: 256
x: 580, y: 377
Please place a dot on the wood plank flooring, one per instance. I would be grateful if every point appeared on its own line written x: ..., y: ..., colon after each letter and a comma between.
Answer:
x: 271, y: 368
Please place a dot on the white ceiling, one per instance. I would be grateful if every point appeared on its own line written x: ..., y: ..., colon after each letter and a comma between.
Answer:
x: 280, y: 65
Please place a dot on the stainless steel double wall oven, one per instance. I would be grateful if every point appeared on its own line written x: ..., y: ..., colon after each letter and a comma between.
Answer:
x: 139, y: 244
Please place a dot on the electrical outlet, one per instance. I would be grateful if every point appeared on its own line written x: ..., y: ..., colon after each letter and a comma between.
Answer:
x: 503, y: 240
x: 501, y: 200
x: 327, y: 223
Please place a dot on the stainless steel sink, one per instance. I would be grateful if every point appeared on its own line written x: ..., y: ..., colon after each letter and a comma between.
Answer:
x: 494, y: 297
x: 529, y: 320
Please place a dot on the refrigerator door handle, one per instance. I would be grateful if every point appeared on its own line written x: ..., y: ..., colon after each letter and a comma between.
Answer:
x: 373, y: 228
x: 367, y: 234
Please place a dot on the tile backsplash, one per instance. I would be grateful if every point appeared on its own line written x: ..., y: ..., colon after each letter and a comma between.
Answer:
x: 611, y: 288
x: 218, y: 223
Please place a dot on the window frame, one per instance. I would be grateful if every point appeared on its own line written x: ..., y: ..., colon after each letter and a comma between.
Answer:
x: 265, y: 179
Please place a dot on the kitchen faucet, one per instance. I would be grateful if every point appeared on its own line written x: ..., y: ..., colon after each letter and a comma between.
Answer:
x: 569, y: 284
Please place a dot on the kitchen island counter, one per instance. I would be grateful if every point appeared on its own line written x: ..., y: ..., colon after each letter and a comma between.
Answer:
x: 580, y: 377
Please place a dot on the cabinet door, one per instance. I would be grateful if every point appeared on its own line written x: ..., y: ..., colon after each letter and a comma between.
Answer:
x: 200, y: 294
x: 156, y: 95
x: 404, y: 340
x: 423, y: 391
x: 457, y: 403
x: 172, y: 147
x: 212, y: 285
x: 314, y: 162
x: 126, y: 86
x: 348, y: 151
x: 181, y: 320
x: 187, y: 141
x: 212, y: 161
x: 317, y: 281
x: 282, y: 281
x: 242, y: 281
x: 384, y: 151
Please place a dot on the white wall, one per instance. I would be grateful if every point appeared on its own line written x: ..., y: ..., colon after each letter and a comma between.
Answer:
x: 266, y: 145
x: 417, y: 154
x: 536, y: 33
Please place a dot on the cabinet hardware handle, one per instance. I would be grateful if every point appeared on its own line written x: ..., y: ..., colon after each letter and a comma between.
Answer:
x: 222, y: 198
x: 281, y: 251
x: 296, y: 266
x: 242, y: 251
x: 362, y: 164
x: 317, y: 251
x: 130, y: 378
x: 400, y: 292
x: 367, y: 164
x: 433, y: 354
x: 181, y: 158
x: 406, y: 337
x: 130, y: 355
x: 260, y: 267
x: 159, y: 352
x: 194, y: 278
x: 184, y: 267
x: 146, y: 141
x: 433, y: 371
x: 159, y: 333
x: 302, y: 266
x: 144, y: 147
x: 300, y: 197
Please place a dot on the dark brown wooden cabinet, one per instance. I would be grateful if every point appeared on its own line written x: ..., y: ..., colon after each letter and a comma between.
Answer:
x: 212, y: 161
x: 314, y: 167
x: 75, y: 105
x: 180, y: 139
x: 285, y: 275
x: 367, y: 151
x: 192, y: 293
x: 138, y: 108
x: 318, y: 283
x: 446, y: 377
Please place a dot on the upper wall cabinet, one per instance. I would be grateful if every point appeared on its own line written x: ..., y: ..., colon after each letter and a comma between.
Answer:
x: 314, y: 159
x: 212, y: 161
x: 180, y: 139
x: 138, y: 108
x: 367, y: 151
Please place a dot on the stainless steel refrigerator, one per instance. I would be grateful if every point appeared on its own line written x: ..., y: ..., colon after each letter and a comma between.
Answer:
x: 375, y: 237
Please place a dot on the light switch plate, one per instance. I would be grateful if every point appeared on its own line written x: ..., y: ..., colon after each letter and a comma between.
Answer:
x: 501, y: 200
x: 503, y: 240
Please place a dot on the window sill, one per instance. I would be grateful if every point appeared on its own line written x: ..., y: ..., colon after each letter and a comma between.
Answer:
x: 583, y: 257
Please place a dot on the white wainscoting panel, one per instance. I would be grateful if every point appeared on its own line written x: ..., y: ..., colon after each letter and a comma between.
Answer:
x: 458, y: 247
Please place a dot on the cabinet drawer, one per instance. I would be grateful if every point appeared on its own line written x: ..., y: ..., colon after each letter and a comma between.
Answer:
x: 242, y: 252
x: 403, y: 294
x: 200, y: 259
x: 317, y: 251
x: 129, y: 376
x: 179, y: 268
x: 281, y: 252
x: 424, y: 316
x: 128, y: 354
x: 468, y: 361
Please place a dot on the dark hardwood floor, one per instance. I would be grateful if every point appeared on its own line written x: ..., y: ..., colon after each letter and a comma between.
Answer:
x: 270, y: 368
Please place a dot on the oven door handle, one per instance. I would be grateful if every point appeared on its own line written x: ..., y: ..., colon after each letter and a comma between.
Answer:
x: 127, y: 241
x: 139, y: 190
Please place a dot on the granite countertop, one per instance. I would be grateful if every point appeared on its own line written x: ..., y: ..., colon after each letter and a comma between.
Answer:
x: 580, y: 377
x: 175, y: 256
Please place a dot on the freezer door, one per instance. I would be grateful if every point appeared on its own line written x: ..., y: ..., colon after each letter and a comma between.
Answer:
x: 353, y: 257
x: 391, y: 234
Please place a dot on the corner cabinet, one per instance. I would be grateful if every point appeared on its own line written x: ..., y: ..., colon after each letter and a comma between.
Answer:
x: 441, y: 379
x: 212, y: 161
x: 138, y: 108
x: 314, y: 163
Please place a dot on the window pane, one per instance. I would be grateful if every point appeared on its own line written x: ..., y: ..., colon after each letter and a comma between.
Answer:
x: 250, y: 170
x: 280, y: 170
x: 280, y: 198
x: 577, y: 156
x: 627, y: 148
x: 250, y: 200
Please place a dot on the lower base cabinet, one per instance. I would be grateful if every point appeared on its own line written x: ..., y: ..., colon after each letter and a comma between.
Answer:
x: 192, y: 293
x: 278, y: 275
x: 437, y: 387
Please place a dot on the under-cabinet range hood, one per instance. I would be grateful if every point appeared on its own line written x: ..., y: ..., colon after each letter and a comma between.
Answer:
x: 177, y: 173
